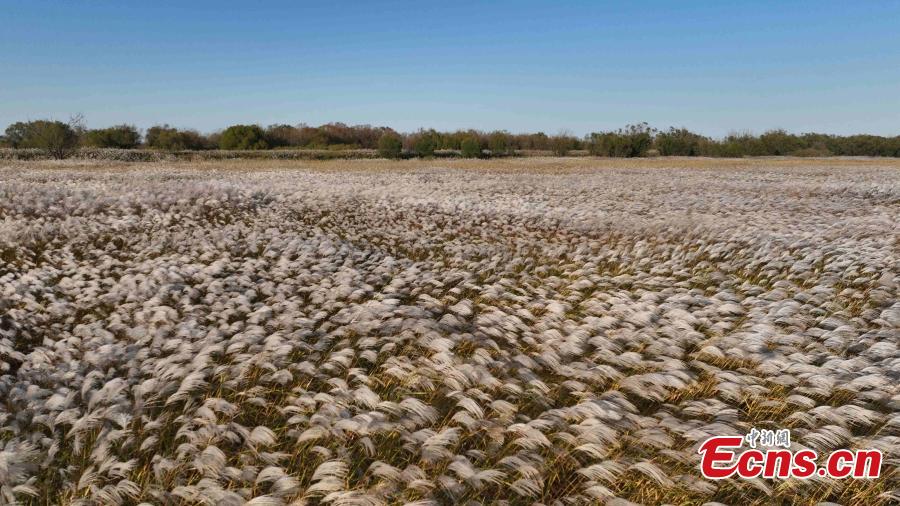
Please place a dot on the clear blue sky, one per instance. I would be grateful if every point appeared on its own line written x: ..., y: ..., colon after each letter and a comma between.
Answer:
x: 520, y: 65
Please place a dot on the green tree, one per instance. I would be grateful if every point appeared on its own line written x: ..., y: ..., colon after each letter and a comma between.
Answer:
x: 779, y: 143
x: 390, y: 145
x: 739, y: 144
x: 631, y: 141
x: 16, y: 134
x: 170, y: 138
x: 57, y: 138
x: 680, y: 142
x: 425, y: 143
x: 499, y: 143
x: 243, y: 137
x: 470, y: 147
x: 120, y: 136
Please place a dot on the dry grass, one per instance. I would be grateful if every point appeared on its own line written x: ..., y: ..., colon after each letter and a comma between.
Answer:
x: 525, y: 164
x: 553, y: 331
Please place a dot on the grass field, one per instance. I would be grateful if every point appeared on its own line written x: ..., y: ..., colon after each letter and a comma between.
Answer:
x: 554, y: 331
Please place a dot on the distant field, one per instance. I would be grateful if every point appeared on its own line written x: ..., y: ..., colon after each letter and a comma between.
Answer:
x: 517, y: 331
x: 529, y: 164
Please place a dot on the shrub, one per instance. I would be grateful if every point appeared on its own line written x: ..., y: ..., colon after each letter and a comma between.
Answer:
x: 738, y: 145
x: 390, y: 145
x: 561, y: 144
x: 283, y: 136
x: 172, y: 139
x: 57, y: 138
x: 120, y: 136
x: 631, y: 141
x: 538, y: 141
x: 470, y: 147
x: 680, y: 142
x: 15, y: 134
x: 779, y: 143
x: 243, y: 137
x: 425, y: 143
x: 499, y: 143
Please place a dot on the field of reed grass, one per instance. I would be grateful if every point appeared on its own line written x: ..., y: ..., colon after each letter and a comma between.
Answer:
x: 363, y: 332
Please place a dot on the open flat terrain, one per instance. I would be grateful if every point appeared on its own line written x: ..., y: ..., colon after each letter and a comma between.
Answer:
x: 559, y: 331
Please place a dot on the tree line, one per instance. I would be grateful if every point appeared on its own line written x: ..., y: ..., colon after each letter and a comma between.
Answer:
x: 60, y: 139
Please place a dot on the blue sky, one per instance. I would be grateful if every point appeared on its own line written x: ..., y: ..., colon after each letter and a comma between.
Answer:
x: 713, y: 67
